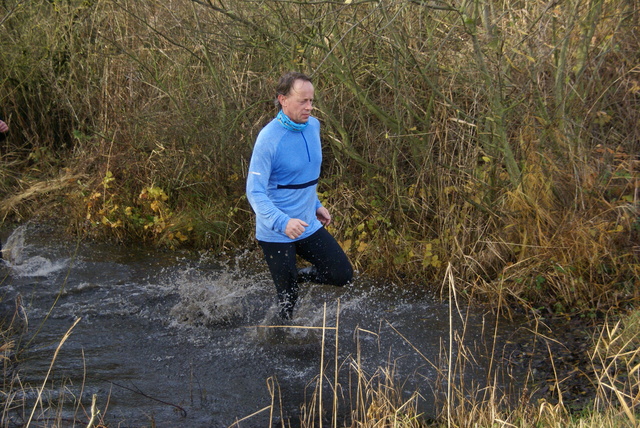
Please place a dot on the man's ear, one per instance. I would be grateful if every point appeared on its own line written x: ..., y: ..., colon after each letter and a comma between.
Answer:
x: 281, y: 99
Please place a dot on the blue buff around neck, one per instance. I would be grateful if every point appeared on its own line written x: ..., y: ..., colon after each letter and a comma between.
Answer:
x: 290, y: 124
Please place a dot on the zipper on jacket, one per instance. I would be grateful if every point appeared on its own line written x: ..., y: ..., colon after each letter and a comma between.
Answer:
x: 307, y: 146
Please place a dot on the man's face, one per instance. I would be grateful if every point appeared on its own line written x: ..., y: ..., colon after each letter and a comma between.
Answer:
x: 297, y: 104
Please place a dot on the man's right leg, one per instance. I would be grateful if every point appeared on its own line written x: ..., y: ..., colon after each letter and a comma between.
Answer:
x: 281, y: 259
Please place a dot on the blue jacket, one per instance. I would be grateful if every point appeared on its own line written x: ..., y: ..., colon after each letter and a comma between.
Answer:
x: 282, y: 179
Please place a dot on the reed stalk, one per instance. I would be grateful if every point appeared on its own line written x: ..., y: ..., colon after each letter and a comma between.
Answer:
x: 46, y: 378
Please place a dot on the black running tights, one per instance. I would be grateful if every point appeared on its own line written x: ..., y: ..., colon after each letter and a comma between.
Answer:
x: 320, y: 249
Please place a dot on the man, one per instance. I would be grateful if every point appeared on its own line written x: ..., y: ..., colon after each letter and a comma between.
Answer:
x: 281, y: 188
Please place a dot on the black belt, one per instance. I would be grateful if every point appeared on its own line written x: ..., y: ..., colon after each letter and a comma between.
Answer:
x: 298, y: 186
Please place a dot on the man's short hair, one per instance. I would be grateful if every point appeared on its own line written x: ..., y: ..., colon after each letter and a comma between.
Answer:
x: 286, y: 83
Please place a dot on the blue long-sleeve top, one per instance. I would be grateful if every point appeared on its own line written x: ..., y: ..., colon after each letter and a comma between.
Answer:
x: 282, y: 179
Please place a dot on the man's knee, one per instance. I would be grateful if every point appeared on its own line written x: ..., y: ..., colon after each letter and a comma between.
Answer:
x: 342, y: 277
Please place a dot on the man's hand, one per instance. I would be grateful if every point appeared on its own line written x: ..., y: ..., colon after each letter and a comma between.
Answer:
x: 295, y: 228
x: 323, y: 215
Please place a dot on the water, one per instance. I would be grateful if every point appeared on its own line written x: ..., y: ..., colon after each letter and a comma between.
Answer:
x: 176, y: 340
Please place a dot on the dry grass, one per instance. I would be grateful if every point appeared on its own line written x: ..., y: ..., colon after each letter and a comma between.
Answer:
x: 616, y: 355
x: 37, y: 190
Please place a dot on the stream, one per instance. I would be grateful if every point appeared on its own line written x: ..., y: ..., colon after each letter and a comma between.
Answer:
x: 173, y: 339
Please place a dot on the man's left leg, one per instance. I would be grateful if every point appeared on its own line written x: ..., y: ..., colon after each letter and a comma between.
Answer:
x: 331, y: 264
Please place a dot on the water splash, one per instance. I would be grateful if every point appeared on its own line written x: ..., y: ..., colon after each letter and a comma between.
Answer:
x: 12, y: 249
x: 14, y: 255
x: 38, y: 266
x: 214, y: 299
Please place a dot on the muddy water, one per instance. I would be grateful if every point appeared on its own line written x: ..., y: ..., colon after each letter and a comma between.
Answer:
x: 175, y: 339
